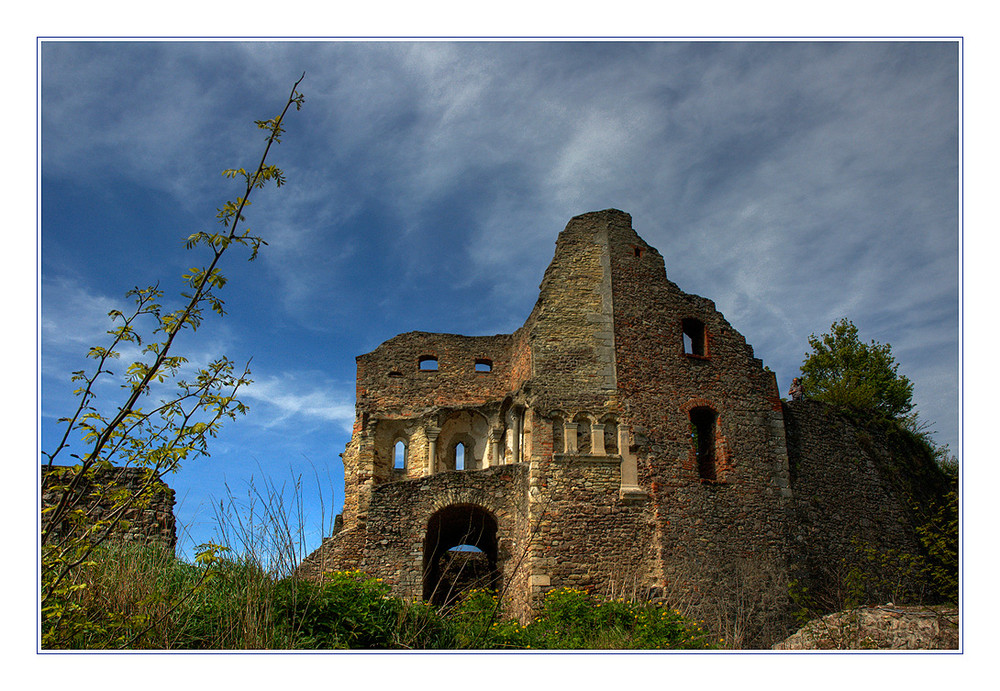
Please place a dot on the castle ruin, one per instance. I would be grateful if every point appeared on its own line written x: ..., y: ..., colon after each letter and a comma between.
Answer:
x: 624, y: 437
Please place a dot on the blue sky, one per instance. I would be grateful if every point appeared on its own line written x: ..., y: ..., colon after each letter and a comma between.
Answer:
x: 793, y: 183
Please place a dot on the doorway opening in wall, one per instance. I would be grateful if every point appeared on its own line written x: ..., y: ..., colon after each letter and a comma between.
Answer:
x: 703, y: 439
x: 460, y: 553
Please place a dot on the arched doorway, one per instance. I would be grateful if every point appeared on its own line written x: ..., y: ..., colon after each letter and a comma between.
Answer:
x: 460, y: 553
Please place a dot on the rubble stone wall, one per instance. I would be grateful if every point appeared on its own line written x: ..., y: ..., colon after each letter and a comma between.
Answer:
x: 737, y: 510
x: 851, y: 489
x: 149, y: 520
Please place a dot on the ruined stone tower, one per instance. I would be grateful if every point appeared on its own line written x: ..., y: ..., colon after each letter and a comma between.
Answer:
x: 625, y: 428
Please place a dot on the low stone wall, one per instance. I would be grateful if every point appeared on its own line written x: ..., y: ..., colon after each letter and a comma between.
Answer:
x: 879, y: 628
x: 151, y: 519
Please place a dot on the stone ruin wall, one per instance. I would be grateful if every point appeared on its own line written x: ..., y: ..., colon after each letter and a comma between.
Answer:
x: 851, y: 490
x: 698, y: 521
x: 153, y: 522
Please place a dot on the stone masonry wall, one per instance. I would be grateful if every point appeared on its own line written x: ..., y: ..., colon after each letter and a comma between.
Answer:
x: 151, y: 520
x: 391, y: 383
x: 851, y: 489
x: 570, y: 327
x: 587, y: 536
x: 737, y: 512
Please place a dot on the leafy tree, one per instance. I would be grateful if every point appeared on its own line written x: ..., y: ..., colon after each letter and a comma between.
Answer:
x: 91, y: 506
x: 844, y: 371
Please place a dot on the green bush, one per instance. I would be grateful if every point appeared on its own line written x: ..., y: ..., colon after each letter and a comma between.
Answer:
x: 476, y: 623
x: 940, y: 540
x: 346, y: 610
x: 571, y: 619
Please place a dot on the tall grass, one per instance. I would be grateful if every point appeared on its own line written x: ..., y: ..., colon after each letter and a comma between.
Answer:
x: 242, y: 594
x: 143, y: 598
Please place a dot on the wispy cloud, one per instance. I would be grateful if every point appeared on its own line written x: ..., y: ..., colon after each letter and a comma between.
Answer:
x: 290, y: 398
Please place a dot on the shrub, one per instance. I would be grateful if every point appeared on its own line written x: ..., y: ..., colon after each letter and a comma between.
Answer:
x: 572, y: 619
x: 346, y: 610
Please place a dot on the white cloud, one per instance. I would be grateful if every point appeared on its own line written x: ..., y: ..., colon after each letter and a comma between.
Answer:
x: 294, y: 397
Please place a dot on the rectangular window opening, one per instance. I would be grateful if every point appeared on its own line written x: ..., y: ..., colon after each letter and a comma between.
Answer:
x: 694, y: 337
x: 428, y: 363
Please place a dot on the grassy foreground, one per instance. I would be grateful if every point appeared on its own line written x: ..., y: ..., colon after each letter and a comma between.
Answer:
x: 133, y: 598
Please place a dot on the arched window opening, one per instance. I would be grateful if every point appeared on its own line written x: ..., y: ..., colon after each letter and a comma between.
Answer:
x: 703, y: 439
x: 558, y: 435
x: 428, y: 363
x: 484, y: 365
x: 637, y: 251
x: 610, y: 436
x: 694, y: 337
x: 399, y: 455
x: 460, y: 456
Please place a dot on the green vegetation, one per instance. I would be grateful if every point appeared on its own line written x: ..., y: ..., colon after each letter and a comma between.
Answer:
x: 143, y: 598
x: 571, y: 619
x: 862, y: 381
x: 844, y: 371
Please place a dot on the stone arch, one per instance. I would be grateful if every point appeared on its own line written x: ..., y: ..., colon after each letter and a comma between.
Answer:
x: 448, y: 572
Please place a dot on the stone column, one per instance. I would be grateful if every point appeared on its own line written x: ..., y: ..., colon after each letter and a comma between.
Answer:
x: 432, y: 436
x: 569, y: 437
x: 513, y: 436
x: 597, y: 440
x: 493, y: 452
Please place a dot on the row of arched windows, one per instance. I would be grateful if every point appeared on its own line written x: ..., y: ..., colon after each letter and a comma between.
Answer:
x: 703, y: 424
x: 400, y: 455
